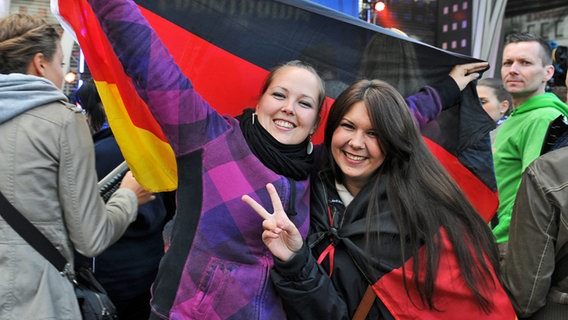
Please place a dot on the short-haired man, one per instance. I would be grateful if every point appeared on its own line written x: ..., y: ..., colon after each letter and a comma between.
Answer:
x: 526, y: 68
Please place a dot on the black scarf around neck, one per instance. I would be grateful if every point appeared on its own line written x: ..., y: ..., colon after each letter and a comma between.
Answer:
x: 288, y: 160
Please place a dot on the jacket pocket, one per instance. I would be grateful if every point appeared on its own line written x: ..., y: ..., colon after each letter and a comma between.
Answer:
x: 226, y: 289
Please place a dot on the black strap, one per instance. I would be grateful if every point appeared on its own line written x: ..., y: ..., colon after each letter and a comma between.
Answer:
x: 560, y: 270
x: 31, y: 234
x: 557, y: 129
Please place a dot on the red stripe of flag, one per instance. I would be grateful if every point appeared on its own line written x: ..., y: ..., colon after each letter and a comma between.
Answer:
x: 218, y: 75
x: 483, y: 199
x: 450, y: 289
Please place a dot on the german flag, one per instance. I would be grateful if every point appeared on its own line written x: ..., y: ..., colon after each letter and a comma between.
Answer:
x: 449, y: 287
x: 140, y: 138
x: 227, y: 47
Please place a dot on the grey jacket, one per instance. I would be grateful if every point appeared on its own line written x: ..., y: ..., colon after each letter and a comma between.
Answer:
x: 47, y: 172
x: 538, y: 236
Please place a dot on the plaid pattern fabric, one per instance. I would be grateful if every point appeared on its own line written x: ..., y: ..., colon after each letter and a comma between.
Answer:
x: 226, y: 272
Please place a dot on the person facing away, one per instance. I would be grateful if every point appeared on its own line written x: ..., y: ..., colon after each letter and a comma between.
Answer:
x: 383, y: 213
x: 536, y: 263
x: 217, y: 264
x: 495, y: 100
x: 128, y: 267
x: 48, y: 175
x: 525, y: 70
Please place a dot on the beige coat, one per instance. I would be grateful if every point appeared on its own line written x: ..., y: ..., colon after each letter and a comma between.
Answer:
x: 47, y: 172
x: 538, y: 239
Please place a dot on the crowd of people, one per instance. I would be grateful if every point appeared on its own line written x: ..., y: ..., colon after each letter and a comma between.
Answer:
x: 265, y: 225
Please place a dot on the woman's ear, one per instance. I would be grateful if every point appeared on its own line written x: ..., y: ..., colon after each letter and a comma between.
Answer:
x: 504, y: 106
x: 36, y: 66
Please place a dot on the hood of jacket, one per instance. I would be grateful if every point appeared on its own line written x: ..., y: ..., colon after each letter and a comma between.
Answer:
x: 20, y: 93
x: 547, y: 99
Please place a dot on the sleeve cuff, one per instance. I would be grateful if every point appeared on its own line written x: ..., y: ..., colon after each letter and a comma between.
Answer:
x: 294, y: 267
x: 129, y: 202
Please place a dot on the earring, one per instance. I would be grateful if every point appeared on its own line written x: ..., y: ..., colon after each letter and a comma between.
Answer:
x: 310, y: 147
x: 253, y: 116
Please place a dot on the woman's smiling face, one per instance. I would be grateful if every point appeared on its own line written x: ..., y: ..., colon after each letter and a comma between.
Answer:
x: 288, y: 109
x: 355, y: 147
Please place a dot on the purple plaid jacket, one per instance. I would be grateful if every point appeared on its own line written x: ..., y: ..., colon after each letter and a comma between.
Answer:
x: 217, y: 266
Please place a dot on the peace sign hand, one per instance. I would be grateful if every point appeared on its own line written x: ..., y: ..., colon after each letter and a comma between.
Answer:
x: 280, y: 235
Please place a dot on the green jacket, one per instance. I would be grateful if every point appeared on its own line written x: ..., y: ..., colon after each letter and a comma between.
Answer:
x: 518, y: 143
